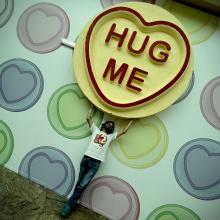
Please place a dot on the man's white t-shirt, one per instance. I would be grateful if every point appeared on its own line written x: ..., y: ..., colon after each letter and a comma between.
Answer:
x: 99, y: 143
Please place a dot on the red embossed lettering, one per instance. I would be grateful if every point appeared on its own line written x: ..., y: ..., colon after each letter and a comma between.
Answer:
x: 112, y: 33
x: 133, y: 76
x: 111, y: 68
x: 164, y: 55
x: 144, y: 44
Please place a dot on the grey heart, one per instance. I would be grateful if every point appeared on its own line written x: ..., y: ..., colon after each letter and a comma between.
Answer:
x: 202, y: 167
x: 16, y: 84
x: 44, y: 170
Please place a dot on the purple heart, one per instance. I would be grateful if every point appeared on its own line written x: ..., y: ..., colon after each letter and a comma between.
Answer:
x: 53, y: 28
x: 16, y: 84
x: 202, y: 167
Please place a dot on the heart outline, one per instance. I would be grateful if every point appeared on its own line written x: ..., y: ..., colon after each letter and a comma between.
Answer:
x: 186, y: 169
x: 145, y: 23
x: 20, y: 72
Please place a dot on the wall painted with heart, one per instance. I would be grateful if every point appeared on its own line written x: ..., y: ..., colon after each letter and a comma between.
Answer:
x: 165, y: 167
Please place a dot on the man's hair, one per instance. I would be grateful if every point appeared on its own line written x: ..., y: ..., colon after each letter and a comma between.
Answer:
x: 108, y: 130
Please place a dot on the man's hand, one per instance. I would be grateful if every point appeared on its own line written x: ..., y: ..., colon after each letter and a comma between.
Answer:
x: 125, y: 129
x: 89, y: 116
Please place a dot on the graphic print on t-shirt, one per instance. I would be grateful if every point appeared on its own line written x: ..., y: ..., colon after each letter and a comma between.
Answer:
x: 100, y: 139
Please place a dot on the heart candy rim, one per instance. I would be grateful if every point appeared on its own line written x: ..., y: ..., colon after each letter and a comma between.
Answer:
x: 145, y: 23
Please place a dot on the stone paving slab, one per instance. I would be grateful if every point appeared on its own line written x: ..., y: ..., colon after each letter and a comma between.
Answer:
x: 21, y: 199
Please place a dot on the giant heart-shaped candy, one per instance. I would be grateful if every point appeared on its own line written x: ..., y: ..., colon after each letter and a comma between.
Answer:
x: 159, y: 76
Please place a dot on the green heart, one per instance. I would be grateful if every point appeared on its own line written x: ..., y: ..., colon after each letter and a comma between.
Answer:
x: 3, y: 141
x: 140, y: 140
x: 167, y: 215
x: 70, y: 116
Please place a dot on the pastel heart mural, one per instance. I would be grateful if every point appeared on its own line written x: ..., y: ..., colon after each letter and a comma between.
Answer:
x: 21, y: 84
x: 6, y: 143
x: 42, y: 26
x: 196, y: 168
x: 49, y: 167
x: 141, y: 158
x: 112, y: 197
x: 67, y: 110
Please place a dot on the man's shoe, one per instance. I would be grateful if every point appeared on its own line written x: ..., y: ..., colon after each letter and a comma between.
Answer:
x: 66, y: 211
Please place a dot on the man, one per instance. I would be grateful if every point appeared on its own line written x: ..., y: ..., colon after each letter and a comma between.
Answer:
x: 94, y: 155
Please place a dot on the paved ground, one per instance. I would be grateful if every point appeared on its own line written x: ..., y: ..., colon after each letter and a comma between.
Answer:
x: 21, y: 199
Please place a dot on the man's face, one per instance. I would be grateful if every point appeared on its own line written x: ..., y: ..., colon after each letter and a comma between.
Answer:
x: 109, y: 125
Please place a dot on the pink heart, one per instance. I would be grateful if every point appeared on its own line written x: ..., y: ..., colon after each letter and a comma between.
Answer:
x: 118, y: 202
x: 49, y: 25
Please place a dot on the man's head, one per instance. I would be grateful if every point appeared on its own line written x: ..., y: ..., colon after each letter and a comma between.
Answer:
x: 108, y: 127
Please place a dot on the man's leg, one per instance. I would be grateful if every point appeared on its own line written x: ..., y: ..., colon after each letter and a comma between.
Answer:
x: 67, y: 207
x: 92, y: 166
x: 88, y: 169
